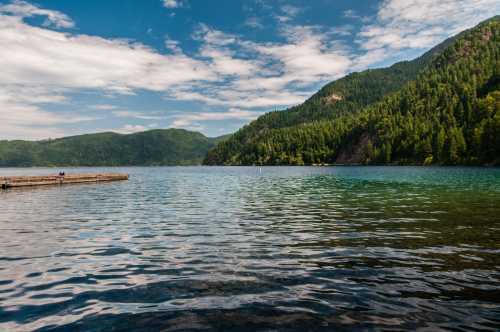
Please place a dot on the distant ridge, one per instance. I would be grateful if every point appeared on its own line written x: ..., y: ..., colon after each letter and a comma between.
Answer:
x: 441, y: 108
x: 152, y: 148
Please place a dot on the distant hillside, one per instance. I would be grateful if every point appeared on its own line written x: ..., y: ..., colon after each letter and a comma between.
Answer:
x: 442, y: 108
x: 155, y: 147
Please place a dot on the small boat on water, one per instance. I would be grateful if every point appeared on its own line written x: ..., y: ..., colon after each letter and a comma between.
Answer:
x: 44, y: 180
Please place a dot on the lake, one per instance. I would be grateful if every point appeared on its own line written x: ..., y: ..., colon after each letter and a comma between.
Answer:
x: 249, y: 248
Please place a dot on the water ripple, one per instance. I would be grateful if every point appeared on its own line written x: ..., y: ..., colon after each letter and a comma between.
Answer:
x: 195, y: 248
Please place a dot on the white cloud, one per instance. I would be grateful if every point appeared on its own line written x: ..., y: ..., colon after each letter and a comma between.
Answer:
x: 244, y: 99
x: 173, y: 3
x: 214, y: 37
x: 420, y: 24
x: 227, y: 71
x: 306, y: 58
x: 459, y: 14
x: 352, y: 14
x: 22, y: 118
x: 23, y: 9
x: 29, y: 132
x: 191, y: 120
x: 41, y: 57
x: 263, y: 75
x: 225, y: 63
x: 253, y: 22
x: 289, y: 12
x: 130, y: 129
x: 103, y: 107
x: 172, y: 45
x: 136, y: 115
x: 42, y: 66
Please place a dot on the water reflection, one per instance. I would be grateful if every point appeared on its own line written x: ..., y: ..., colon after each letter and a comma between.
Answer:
x: 235, y: 248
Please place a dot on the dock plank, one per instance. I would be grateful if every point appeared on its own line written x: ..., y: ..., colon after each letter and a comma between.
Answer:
x: 44, y: 180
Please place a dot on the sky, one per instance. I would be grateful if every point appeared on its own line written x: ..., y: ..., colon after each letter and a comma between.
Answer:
x: 75, y: 67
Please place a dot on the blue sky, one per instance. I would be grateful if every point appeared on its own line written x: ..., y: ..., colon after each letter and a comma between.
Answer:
x: 73, y: 67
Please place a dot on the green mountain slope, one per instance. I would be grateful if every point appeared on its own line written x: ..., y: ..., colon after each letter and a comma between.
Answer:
x: 155, y: 147
x: 440, y: 108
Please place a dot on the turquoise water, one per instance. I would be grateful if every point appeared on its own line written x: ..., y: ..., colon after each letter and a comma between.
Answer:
x: 249, y: 248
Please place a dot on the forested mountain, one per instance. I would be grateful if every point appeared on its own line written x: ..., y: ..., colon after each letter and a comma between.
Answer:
x: 155, y: 147
x: 442, y: 108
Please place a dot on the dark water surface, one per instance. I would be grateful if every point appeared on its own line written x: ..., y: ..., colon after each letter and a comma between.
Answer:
x: 194, y: 248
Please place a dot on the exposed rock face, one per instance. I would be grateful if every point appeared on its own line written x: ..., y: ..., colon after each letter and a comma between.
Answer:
x: 333, y: 98
x: 487, y: 35
x: 354, y: 153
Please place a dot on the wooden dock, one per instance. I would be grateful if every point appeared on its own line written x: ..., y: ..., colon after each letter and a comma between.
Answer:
x: 45, y: 180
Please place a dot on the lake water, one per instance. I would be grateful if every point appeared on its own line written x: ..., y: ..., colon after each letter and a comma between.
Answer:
x: 249, y: 248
